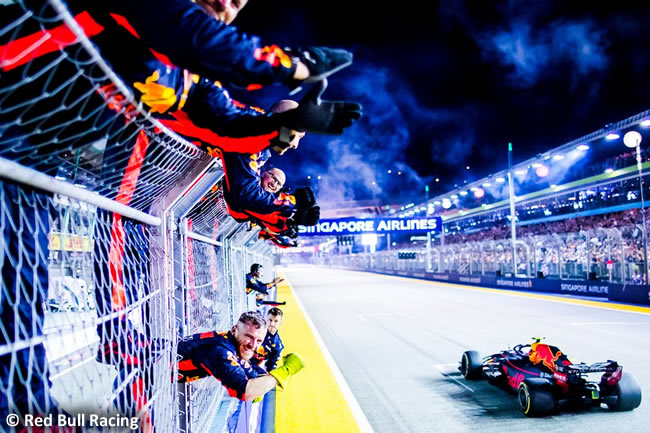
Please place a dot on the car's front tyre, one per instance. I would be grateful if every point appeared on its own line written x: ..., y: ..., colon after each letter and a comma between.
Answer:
x: 471, y: 365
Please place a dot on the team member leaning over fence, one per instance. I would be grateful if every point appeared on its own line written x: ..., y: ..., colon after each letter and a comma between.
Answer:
x: 269, y: 352
x: 253, y: 195
x: 201, y: 44
x: 227, y: 356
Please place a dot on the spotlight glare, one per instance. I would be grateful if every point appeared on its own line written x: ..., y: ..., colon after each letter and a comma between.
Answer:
x: 632, y: 139
x: 537, y: 164
x: 520, y: 172
x: 542, y: 171
x: 582, y: 147
x: 646, y: 123
x: 463, y: 193
x: 609, y: 170
x: 612, y: 136
x: 479, y: 193
x: 446, y: 203
x: 487, y: 185
x: 558, y: 157
x: 501, y: 179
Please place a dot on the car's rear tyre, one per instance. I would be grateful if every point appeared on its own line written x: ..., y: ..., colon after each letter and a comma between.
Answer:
x: 471, y: 365
x: 628, y: 393
x: 535, y: 400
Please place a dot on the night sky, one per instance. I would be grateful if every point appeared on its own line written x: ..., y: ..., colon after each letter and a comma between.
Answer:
x: 447, y: 84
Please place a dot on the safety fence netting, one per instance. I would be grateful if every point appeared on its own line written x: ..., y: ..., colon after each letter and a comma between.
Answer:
x: 211, y: 263
x: 610, y: 254
x: 65, y: 113
x: 83, y: 307
x: 97, y: 289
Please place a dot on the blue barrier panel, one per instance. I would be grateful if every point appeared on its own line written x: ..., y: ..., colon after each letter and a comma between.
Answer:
x: 243, y: 417
x: 268, y: 413
x: 630, y: 293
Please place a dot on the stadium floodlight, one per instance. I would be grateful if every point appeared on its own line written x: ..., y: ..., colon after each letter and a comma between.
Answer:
x: 521, y: 171
x: 446, y: 203
x: 632, y: 139
x: 308, y: 177
x: 437, y: 202
x: 318, y: 178
x: 553, y: 186
x: 537, y: 164
x: 609, y: 170
x: 463, y: 193
x: 390, y: 171
x: 646, y: 123
x: 582, y: 147
x: 500, y: 179
x: 484, y: 205
x: 542, y: 171
x: 402, y: 208
x: 558, y: 157
x: 612, y: 136
x: 487, y: 185
x: 454, y: 196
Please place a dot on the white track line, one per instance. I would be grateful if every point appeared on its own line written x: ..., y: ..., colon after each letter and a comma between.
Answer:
x: 440, y: 368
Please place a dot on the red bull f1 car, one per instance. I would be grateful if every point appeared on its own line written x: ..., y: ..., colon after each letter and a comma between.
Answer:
x: 545, y: 380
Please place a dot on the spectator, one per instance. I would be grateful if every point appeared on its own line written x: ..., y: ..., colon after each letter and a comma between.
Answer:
x: 227, y: 356
x: 271, y: 348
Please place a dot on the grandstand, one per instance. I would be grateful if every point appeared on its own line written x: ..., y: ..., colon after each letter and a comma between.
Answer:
x: 578, y: 215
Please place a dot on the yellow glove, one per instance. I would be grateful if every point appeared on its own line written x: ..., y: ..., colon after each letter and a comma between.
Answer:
x: 291, y: 364
x: 160, y: 98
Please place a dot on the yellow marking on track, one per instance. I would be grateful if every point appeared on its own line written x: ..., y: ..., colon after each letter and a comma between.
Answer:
x: 317, y: 399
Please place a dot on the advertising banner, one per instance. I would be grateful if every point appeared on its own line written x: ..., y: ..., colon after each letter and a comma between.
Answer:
x: 353, y: 226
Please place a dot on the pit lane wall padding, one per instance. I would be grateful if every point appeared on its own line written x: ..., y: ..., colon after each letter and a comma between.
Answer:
x: 625, y: 293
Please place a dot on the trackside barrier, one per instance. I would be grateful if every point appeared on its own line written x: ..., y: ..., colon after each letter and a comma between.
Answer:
x: 626, y: 293
x: 115, y: 243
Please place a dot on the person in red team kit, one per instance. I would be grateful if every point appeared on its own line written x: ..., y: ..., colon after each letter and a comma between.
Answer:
x: 227, y: 356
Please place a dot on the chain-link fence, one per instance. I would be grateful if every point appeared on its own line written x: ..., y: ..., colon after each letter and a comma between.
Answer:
x: 110, y: 249
x: 613, y: 255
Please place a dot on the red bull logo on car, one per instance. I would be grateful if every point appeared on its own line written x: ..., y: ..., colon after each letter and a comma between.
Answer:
x: 543, y: 353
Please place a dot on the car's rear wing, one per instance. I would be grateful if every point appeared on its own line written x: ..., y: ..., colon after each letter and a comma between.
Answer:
x: 598, y: 367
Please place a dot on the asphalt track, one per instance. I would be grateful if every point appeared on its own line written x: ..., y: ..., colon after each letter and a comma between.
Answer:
x: 397, y: 342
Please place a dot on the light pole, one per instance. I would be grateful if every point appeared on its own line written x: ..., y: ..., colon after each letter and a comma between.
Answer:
x: 633, y: 139
x: 511, y: 197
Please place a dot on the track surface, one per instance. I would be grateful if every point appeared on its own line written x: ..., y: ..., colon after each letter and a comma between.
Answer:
x: 397, y: 342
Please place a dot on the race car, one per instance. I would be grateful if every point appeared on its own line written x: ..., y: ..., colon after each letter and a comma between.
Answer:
x: 545, y: 380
